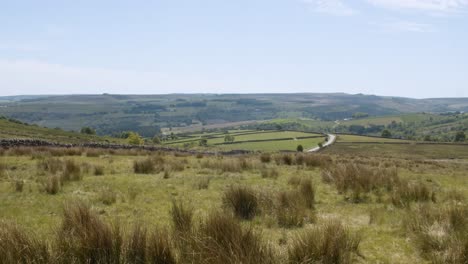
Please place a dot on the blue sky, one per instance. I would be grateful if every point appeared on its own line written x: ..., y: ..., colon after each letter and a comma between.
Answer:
x: 413, y: 48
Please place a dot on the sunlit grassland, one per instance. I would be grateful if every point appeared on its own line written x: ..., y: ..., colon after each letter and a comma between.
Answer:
x: 147, y: 198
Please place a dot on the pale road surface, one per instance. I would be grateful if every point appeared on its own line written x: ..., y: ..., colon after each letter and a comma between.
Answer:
x: 331, y: 140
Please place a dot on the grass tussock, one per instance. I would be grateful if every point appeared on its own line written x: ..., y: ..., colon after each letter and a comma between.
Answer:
x: 329, y: 243
x: 159, y: 248
x: 287, y: 159
x: 314, y: 160
x: 52, y: 184
x: 136, y: 245
x: 242, y: 201
x: 408, y: 192
x: 19, y: 246
x: 294, y: 180
x: 146, y: 166
x: 265, y: 158
x: 289, y: 210
x: 360, y: 180
x: 98, y: 170
x: 269, y: 173
x: 108, y: 196
x: 222, y: 239
x: 60, y: 152
x: 72, y: 171
x: 84, y: 238
x: 293, y: 207
x: 440, y: 233
x: 52, y: 165
x: 133, y: 193
x: 19, y: 185
x: 3, y: 169
x: 307, y: 191
x: 202, y: 183
x: 182, y: 218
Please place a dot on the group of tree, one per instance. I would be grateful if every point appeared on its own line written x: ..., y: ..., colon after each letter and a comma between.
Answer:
x: 135, y: 139
x: 88, y: 131
x: 229, y: 138
x: 460, y: 136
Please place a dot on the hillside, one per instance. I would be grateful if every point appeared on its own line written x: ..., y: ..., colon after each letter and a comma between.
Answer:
x: 12, y: 129
x: 440, y: 127
x: 149, y: 114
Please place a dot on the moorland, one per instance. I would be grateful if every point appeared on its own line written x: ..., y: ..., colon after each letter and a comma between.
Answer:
x: 371, y: 197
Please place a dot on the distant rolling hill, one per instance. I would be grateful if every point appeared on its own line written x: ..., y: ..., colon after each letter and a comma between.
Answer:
x: 147, y: 114
x: 11, y: 129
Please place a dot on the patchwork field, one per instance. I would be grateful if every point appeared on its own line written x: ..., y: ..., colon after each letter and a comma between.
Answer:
x: 264, y: 208
x: 249, y: 140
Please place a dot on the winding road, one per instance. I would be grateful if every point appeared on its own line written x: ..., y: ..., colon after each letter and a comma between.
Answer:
x: 331, y: 140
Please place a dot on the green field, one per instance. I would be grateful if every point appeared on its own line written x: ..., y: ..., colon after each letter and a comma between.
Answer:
x: 273, y: 146
x: 270, y: 140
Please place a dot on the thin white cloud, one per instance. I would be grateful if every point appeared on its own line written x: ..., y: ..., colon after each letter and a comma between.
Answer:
x: 330, y: 7
x: 404, y: 26
x: 19, y: 47
x: 423, y: 5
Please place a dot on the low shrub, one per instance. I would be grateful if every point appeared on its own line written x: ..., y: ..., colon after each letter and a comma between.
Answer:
x: 330, y: 243
x: 242, y: 201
